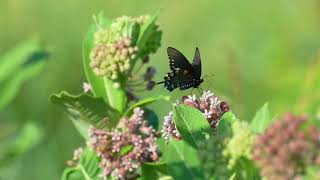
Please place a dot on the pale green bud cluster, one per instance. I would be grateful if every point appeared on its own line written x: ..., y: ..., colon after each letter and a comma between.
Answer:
x: 113, y: 59
x: 123, y: 26
x: 240, y: 144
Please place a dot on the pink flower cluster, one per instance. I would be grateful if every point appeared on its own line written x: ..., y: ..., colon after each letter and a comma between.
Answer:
x: 123, y: 150
x: 210, y: 106
x: 286, y: 148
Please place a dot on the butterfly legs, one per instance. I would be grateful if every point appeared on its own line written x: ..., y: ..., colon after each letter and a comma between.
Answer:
x: 200, y: 90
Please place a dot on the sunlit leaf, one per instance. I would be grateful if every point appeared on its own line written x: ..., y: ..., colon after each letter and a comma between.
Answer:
x: 261, y: 120
x: 191, y: 124
x: 96, y: 83
x: 117, y: 97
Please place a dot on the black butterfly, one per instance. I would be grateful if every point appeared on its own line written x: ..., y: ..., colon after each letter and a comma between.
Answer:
x: 183, y: 74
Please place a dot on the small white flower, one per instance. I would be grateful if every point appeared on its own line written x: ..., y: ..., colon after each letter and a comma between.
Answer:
x: 86, y: 87
x: 207, y: 113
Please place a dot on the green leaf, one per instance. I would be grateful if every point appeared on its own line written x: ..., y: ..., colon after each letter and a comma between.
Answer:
x: 19, y: 65
x: 96, y: 82
x: 117, y: 97
x: 145, y: 102
x: 87, y: 168
x: 153, y: 170
x: 152, y: 118
x: 182, y: 161
x: 191, y: 124
x: 72, y: 174
x: 261, y: 120
x: 224, y: 127
x: 28, y: 137
x: 146, y: 31
x: 85, y: 110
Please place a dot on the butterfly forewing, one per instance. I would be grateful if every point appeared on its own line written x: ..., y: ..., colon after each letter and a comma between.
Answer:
x: 197, y: 64
x: 178, y: 61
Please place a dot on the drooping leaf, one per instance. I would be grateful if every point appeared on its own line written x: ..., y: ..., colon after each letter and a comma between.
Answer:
x: 261, y: 120
x: 182, y: 161
x: 19, y: 65
x: 85, y: 110
x: 145, y: 102
x: 27, y: 137
x: 96, y: 82
x: 153, y: 170
x: 224, y: 127
x: 86, y: 169
x: 191, y: 124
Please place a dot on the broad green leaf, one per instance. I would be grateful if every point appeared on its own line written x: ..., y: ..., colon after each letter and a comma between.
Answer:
x: 117, y: 97
x: 145, y: 102
x: 182, y: 161
x: 96, y: 83
x: 153, y: 170
x: 191, y: 124
x: 261, y: 120
x: 87, y: 168
x: 152, y: 118
x: 85, y: 110
x: 28, y: 137
x: 224, y: 127
x: 17, y: 66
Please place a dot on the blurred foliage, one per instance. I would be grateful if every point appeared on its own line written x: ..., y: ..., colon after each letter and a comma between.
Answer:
x: 258, y: 51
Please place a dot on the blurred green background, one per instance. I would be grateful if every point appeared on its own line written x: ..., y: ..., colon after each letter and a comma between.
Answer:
x: 258, y: 51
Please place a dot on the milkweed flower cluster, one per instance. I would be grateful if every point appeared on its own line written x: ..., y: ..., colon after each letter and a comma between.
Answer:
x: 287, y: 148
x: 116, y: 48
x: 123, y: 150
x: 210, y: 106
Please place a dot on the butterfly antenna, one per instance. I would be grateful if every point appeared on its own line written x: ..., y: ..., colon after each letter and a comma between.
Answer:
x: 210, y: 75
x: 160, y: 82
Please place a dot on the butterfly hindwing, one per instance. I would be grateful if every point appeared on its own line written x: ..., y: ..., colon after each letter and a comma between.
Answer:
x: 181, y: 79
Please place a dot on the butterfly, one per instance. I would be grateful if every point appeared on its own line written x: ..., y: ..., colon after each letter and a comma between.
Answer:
x: 183, y: 74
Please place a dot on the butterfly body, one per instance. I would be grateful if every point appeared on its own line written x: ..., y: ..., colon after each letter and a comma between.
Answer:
x: 183, y: 74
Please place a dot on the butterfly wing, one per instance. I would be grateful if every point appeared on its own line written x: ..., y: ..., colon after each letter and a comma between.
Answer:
x: 180, y: 79
x: 197, y: 64
x: 178, y: 61
x: 182, y: 72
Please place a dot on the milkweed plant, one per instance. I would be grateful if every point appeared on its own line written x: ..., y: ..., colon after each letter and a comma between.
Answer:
x: 200, y: 138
